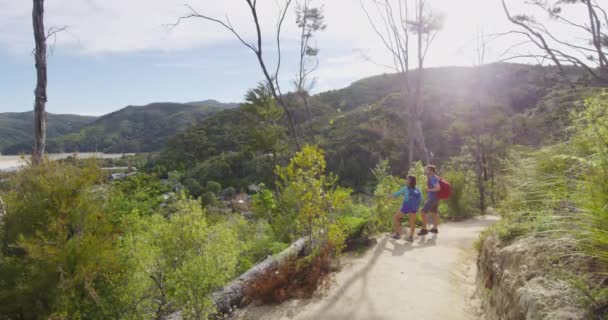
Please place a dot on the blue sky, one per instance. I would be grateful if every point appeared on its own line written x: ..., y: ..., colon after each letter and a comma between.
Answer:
x: 95, y: 85
x: 120, y: 52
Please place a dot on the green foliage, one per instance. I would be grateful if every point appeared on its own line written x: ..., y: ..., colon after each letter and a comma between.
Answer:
x: 132, y: 129
x: 213, y: 187
x: 195, y: 188
x: 58, y: 255
x: 201, y: 145
x: 177, y: 260
x: 591, y: 142
x: 312, y: 195
x: 385, y: 205
x: 16, y: 134
x: 266, y: 207
x: 75, y: 248
x: 352, y: 226
x: 549, y: 189
x: 229, y: 193
x: 140, y: 194
x: 257, y: 240
x: 266, y: 133
x: 462, y: 202
x: 365, y: 122
x: 209, y: 199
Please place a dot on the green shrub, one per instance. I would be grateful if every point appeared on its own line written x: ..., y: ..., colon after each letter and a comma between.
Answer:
x: 213, y: 187
x: 591, y: 142
x: 58, y: 256
x: 195, y: 188
x: 208, y: 199
x: 461, y: 204
x: 352, y: 225
x: 140, y: 193
x: 176, y: 261
x: 314, y: 197
x: 229, y: 193
x: 385, y: 205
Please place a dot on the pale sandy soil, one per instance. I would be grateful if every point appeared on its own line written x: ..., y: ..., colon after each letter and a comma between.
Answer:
x: 433, y: 278
x: 8, y: 162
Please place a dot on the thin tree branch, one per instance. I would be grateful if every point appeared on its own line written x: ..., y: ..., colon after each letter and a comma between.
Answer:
x: 540, y: 38
x: 227, y: 25
x: 561, y: 18
x: 278, y: 38
x: 369, y: 59
x: 378, y: 33
x: 513, y: 47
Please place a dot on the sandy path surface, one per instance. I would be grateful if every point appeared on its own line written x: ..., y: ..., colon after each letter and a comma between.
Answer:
x: 432, y: 278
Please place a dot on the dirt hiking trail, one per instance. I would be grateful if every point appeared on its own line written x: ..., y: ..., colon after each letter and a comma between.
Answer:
x: 431, y: 278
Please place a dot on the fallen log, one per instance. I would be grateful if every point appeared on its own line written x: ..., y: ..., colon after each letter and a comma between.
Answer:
x: 231, y: 296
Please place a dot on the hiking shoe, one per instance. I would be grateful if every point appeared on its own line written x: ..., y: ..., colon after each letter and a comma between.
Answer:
x: 434, y: 230
x: 409, y: 239
x: 396, y: 236
x: 423, y: 232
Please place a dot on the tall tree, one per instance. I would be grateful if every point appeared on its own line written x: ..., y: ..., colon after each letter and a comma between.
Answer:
x: 393, y: 27
x: 309, y: 20
x: 271, y: 76
x: 266, y: 134
x: 425, y: 26
x: 41, y: 83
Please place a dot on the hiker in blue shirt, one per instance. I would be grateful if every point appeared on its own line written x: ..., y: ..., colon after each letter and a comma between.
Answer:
x: 412, y: 197
x: 431, y: 206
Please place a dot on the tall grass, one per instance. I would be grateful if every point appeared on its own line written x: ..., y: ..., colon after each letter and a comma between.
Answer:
x: 591, y: 142
x: 562, y: 189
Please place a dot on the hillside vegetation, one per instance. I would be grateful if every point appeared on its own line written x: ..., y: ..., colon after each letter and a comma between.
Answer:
x: 18, y: 127
x: 359, y: 125
x: 131, y: 129
x: 510, y: 137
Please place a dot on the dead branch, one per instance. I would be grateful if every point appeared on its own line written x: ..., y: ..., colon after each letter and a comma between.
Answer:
x: 257, y: 48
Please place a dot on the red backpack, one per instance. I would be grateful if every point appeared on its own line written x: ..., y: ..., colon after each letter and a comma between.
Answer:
x: 446, y: 189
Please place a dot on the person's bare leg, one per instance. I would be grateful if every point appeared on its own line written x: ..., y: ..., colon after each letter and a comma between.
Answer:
x: 436, y: 219
x: 397, y: 222
x: 424, y: 220
x: 412, y: 218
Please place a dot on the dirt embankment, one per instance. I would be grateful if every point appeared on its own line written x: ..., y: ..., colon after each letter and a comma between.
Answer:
x: 525, y: 279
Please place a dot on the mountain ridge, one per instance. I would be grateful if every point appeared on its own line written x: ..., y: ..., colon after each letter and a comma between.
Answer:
x: 91, y: 133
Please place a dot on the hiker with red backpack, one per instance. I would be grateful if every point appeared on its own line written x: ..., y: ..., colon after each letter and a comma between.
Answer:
x: 437, y: 189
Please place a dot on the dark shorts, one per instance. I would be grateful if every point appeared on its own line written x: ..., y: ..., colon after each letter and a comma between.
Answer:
x: 431, y: 205
x: 406, y: 210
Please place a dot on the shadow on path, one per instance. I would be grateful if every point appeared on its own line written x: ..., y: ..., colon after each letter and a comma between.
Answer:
x: 360, y: 274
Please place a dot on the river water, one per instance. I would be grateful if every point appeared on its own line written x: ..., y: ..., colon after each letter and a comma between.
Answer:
x: 12, y: 163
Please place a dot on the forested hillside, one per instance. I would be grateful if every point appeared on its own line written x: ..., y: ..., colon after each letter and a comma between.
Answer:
x: 226, y: 207
x: 132, y: 129
x: 17, y: 127
x: 359, y: 125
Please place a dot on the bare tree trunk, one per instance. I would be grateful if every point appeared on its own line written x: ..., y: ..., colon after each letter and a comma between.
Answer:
x: 417, y: 114
x: 479, y: 171
x: 411, y: 140
x: 596, y: 34
x: 420, y: 141
x: 492, y: 187
x: 40, y: 91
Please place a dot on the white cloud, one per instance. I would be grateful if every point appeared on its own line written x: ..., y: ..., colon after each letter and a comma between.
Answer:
x: 98, y: 27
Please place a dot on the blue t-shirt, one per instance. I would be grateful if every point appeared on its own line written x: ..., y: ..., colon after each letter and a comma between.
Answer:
x: 411, y: 199
x: 432, y: 181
